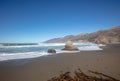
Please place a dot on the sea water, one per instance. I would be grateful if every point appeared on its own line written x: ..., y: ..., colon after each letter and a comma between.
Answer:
x: 9, y: 51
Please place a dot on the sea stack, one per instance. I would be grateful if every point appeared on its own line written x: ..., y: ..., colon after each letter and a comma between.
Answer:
x: 69, y: 46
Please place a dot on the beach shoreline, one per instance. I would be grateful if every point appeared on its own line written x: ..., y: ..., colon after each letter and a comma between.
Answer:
x: 45, y: 67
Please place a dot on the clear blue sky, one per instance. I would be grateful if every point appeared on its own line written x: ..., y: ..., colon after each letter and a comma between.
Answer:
x: 39, y: 20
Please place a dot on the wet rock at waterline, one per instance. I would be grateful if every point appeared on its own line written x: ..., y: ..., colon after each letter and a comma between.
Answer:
x: 51, y: 51
x: 69, y: 46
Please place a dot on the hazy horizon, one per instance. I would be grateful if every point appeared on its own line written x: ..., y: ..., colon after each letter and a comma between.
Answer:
x: 32, y: 21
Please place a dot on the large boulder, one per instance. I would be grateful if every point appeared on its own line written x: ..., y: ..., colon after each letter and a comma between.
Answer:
x: 51, y: 51
x: 69, y: 46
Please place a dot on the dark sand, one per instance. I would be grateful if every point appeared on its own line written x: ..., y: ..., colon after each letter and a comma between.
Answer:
x: 106, y: 61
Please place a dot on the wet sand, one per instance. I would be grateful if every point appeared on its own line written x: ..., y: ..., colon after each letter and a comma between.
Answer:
x: 43, y: 68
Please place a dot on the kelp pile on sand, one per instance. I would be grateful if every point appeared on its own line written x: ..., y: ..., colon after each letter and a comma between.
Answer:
x: 80, y: 76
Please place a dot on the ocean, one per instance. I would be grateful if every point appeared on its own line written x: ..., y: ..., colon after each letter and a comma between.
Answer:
x: 10, y: 51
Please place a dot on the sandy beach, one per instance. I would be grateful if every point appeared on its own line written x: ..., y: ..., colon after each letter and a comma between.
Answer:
x: 106, y: 61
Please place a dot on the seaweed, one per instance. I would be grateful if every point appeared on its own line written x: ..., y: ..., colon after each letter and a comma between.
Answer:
x: 81, y: 76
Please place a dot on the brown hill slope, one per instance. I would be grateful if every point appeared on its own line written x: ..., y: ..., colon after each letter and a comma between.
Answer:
x: 111, y: 35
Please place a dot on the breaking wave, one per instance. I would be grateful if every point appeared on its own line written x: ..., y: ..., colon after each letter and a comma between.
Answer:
x: 21, y: 51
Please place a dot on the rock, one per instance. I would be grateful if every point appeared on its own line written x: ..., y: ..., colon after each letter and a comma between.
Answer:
x: 51, y: 51
x: 69, y: 46
x: 105, y: 39
x: 101, y: 40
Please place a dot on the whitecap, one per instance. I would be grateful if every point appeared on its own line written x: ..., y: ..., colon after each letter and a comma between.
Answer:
x: 22, y: 55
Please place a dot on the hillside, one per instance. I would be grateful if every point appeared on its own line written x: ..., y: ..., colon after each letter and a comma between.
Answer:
x: 111, y: 35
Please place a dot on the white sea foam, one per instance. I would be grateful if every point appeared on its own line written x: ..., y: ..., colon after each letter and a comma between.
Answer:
x: 10, y: 56
x: 39, y: 45
x: 89, y: 48
x: 101, y: 45
x: 51, y: 44
x: 22, y: 55
x: 42, y: 45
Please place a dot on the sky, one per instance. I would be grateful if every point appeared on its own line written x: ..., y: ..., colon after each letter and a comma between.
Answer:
x: 40, y: 20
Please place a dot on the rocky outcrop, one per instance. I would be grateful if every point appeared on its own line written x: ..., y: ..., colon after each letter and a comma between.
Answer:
x: 69, y: 46
x: 104, y: 39
x: 109, y: 36
x: 51, y: 51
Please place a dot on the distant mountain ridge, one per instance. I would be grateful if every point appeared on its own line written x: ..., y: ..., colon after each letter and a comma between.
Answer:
x: 111, y: 35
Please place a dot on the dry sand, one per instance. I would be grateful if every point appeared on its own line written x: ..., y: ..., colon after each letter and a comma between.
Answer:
x: 106, y: 61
